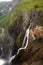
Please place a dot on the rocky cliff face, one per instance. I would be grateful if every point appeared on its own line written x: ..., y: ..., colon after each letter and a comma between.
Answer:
x: 34, y: 52
x: 14, y: 39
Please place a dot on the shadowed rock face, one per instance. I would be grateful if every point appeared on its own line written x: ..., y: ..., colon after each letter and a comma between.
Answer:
x: 6, y: 46
x: 0, y: 31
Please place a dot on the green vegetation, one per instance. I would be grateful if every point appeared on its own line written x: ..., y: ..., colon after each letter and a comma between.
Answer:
x: 16, y: 25
x: 28, y: 5
x: 25, y: 5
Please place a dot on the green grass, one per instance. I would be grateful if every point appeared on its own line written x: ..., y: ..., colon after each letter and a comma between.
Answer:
x: 8, y: 20
x: 28, y: 5
x: 24, y: 6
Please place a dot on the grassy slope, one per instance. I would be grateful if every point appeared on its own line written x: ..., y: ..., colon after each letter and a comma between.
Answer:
x: 30, y: 4
x: 26, y: 5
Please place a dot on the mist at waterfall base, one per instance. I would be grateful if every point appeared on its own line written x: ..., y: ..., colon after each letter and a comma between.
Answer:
x: 24, y: 46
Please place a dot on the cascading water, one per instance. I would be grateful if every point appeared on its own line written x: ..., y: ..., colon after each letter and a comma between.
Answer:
x: 5, y: 56
x: 24, y: 45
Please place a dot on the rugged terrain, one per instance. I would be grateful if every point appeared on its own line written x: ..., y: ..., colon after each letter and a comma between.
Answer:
x: 34, y: 52
x: 15, y: 25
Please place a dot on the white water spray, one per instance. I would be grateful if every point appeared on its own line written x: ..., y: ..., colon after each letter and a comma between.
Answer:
x: 2, y: 61
x: 26, y: 38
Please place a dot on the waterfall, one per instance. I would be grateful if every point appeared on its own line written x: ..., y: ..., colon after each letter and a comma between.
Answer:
x: 2, y: 62
x: 25, y: 42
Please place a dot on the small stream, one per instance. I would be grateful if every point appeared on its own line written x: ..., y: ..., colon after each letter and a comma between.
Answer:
x: 23, y: 47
